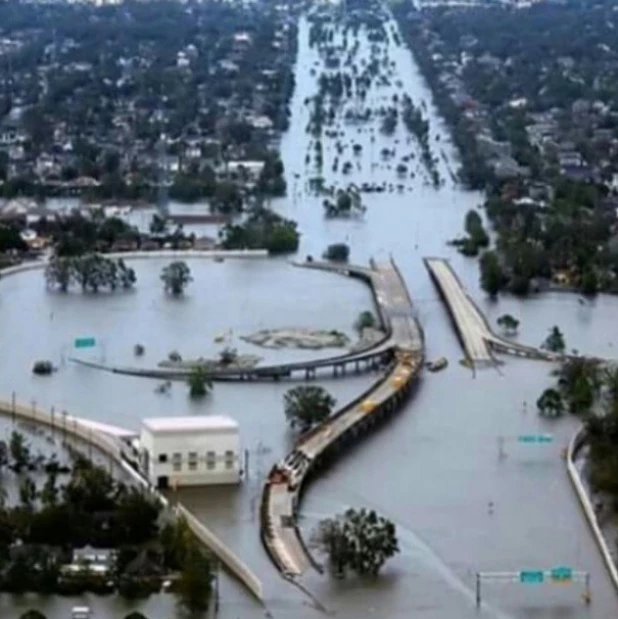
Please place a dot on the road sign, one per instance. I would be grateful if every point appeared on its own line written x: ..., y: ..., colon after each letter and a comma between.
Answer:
x: 535, y: 438
x: 531, y: 576
x: 84, y: 342
x: 561, y: 574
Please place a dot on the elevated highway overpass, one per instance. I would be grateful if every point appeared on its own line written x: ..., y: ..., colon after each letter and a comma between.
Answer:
x: 478, y: 340
x: 282, y: 490
x: 394, y: 313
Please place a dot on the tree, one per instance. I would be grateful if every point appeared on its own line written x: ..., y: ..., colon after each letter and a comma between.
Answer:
x: 338, y: 252
x: 228, y: 356
x: 158, y: 224
x: 176, y: 276
x: 32, y: 614
x: 49, y: 493
x: 20, y: 452
x: 90, y: 271
x: 194, y: 585
x: 137, y: 516
x: 27, y: 493
x: 358, y: 540
x: 554, y: 342
x: 589, y: 283
x: 508, y: 323
x: 198, y: 381
x: 492, y: 277
x: 4, y: 455
x: 365, y: 320
x: 305, y: 406
x: 58, y: 273
x: 550, y: 403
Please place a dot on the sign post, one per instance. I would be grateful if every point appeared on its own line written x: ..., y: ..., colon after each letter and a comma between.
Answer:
x: 531, y: 576
x: 559, y: 575
x: 85, y: 342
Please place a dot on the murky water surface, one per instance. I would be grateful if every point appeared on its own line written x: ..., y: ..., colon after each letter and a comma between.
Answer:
x: 433, y: 469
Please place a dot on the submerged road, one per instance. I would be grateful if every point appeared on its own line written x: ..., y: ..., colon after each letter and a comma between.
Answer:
x: 282, y: 490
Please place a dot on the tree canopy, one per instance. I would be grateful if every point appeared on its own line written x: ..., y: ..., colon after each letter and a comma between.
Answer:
x: 176, y: 276
x: 555, y: 341
x: 307, y: 405
x: 359, y: 540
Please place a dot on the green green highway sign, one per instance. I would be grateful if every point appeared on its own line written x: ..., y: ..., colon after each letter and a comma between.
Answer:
x: 531, y: 576
x: 85, y: 342
x: 535, y: 438
x: 561, y: 574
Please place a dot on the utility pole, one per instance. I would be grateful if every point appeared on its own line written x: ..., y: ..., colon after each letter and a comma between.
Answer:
x: 162, y: 192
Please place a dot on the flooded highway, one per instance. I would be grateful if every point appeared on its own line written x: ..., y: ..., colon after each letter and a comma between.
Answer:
x: 433, y: 469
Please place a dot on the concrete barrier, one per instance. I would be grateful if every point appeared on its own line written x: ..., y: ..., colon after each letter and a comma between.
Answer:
x: 225, y: 555
x: 112, y: 447
x: 191, y: 253
x: 577, y: 441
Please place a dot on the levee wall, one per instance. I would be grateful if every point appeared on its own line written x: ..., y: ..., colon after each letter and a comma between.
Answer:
x: 575, y: 445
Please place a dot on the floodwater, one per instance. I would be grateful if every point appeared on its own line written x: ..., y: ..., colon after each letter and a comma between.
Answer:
x: 433, y: 469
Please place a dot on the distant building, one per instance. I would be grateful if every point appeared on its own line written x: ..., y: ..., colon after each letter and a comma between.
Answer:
x: 196, y: 450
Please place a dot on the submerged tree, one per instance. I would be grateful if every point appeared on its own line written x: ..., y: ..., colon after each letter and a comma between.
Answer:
x: 92, y: 272
x: 554, y: 342
x: 337, y: 252
x: 509, y: 324
x: 194, y: 584
x: 365, y: 320
x: 305, y: 406
x: 493, y: 278
x: 176, y: 276
x: 550, y: 403
x: 358, y: 540
x: 199, y: 382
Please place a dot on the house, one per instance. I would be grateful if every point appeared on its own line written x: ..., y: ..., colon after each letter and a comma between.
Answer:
x: 98, y: 560
x: 570, y: 158
x: 193, y: 450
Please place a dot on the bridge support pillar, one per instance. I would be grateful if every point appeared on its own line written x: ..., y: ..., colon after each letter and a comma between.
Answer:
x: 357, y: 366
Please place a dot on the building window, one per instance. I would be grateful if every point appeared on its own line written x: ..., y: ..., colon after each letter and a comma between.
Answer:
x: 177, y: 461
x: 192, y: 460
x: 210, y: 464
x: 229, y: 459
x: 162, y: 458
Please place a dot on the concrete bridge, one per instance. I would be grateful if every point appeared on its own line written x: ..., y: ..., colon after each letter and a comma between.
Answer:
x: 389, y: 298
x: 478, y: 340
x: 282, y: 491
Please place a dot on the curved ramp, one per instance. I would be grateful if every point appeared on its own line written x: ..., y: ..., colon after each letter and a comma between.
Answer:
x: 383, y: 281
x: 282, y: 491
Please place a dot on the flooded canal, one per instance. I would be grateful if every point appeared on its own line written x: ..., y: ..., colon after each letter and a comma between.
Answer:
x: 433, y: 470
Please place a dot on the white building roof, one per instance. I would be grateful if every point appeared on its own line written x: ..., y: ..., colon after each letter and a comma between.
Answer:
x: 190, y: 423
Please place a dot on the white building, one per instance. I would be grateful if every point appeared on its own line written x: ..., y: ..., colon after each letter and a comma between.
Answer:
x: 184, y: 451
